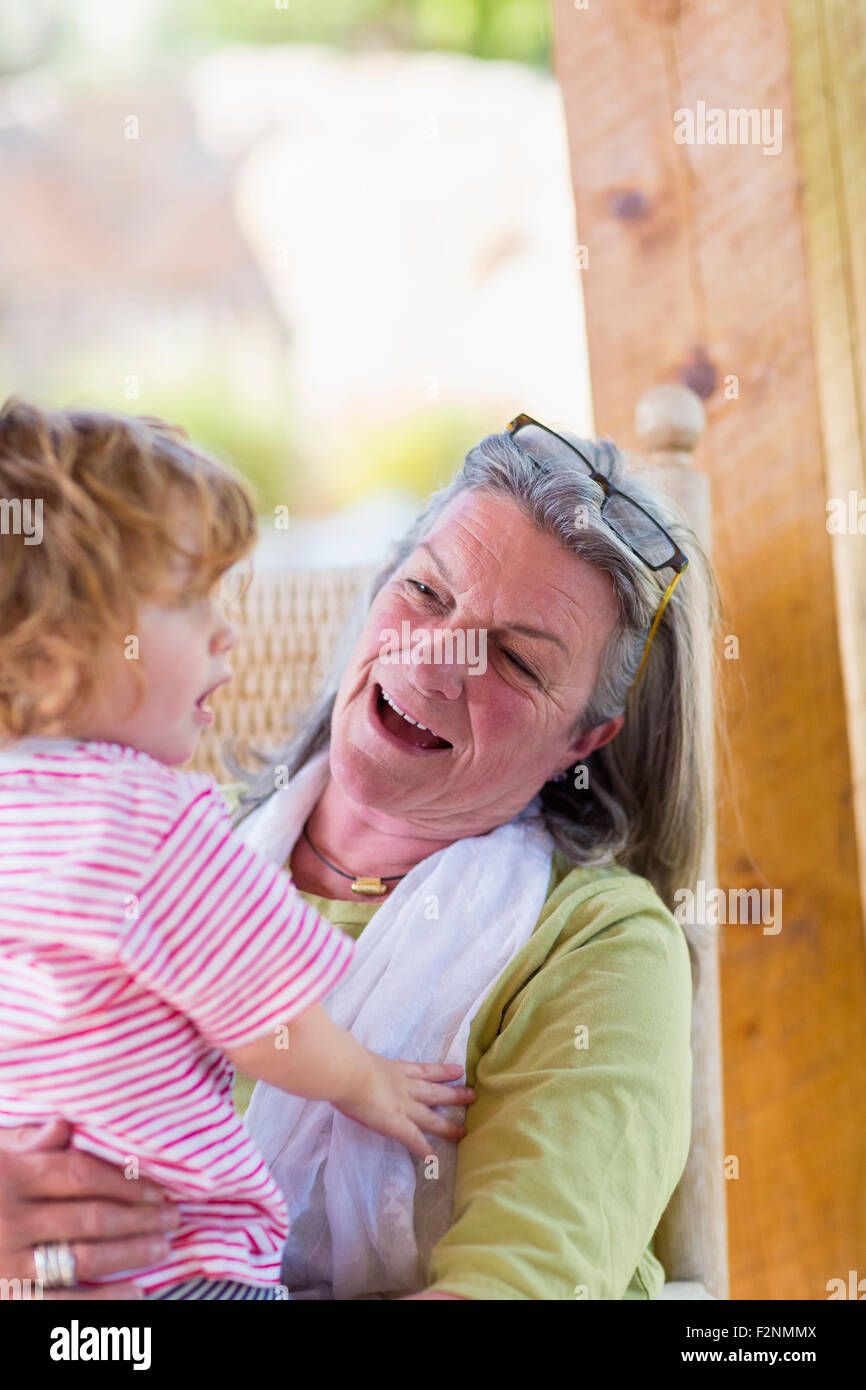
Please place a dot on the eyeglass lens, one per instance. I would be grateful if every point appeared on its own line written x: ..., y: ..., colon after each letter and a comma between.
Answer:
x: 633, y: 526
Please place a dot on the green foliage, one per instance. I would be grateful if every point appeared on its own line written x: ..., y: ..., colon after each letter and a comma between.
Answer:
x: 513, y: 29
x: 417, y: 452
x: 255, y: 440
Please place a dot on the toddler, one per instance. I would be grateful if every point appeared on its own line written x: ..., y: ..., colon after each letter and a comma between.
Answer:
x: 144, y: 948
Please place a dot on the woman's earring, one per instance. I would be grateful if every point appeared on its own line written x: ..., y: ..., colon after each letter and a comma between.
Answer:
x: 560, y: 777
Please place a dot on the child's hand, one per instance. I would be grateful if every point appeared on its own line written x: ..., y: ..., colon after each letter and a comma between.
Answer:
x: 398, y: 1098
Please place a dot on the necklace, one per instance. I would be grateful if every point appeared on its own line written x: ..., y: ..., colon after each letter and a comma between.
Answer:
x: 371, y: 886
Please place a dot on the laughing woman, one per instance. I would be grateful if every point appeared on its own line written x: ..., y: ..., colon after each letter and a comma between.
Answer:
x: 503, y: 839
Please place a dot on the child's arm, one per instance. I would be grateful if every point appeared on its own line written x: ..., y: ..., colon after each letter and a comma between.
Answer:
x: 223, y: 935
x: 324, y: 1062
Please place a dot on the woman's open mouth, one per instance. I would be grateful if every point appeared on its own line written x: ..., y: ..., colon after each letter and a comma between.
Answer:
x: 400, y: 725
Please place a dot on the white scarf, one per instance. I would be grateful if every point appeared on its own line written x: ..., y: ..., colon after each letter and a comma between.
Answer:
x: 365, y: 1212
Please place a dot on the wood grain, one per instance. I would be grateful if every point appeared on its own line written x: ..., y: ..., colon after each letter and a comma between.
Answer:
x: 702, y: 267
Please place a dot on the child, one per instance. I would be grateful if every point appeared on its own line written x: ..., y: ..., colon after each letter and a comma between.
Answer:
x: 142, y: 944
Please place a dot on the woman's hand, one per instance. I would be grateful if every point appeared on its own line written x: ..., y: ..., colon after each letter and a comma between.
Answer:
x: 49, y: 1192
x: 397, y: 1100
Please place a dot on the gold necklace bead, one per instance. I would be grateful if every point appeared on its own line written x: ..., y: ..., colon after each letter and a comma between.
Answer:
x: 371, y: 886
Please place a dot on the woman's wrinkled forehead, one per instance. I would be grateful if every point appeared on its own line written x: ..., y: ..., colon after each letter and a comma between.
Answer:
x: 485, y: 543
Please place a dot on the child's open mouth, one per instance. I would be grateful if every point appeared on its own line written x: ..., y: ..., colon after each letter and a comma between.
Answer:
x: 204, y: 710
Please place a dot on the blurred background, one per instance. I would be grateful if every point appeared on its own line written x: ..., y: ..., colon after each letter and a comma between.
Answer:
x: 335, y: 242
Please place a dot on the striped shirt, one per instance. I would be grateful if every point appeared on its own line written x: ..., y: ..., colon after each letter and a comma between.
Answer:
x: 139, y: 938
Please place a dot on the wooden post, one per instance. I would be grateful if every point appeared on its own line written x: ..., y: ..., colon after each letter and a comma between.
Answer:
x: 691, y: 1241
x: 738, y: 267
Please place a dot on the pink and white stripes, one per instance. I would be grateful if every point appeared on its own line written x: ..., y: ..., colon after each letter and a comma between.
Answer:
x: 138, y: 938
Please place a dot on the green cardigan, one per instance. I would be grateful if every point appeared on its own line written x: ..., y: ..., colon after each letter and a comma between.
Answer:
x: 581, y: 1061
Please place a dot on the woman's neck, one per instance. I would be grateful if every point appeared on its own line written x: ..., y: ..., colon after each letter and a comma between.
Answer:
x: 359, y: 842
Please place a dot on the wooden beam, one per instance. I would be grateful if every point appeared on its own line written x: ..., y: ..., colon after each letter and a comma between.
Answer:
x: 701, y: 268
x: 828, y: 50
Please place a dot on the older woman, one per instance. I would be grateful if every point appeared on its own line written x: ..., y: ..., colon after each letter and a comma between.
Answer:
x: 503, y: 837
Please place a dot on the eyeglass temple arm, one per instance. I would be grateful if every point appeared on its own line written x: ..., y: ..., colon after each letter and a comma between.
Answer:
x: 656, y: 620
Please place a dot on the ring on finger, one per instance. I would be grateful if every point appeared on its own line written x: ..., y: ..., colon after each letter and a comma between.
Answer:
x: 55, y: 1265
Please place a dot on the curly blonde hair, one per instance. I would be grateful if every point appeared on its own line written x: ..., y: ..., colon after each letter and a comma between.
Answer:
x: 108, y: 491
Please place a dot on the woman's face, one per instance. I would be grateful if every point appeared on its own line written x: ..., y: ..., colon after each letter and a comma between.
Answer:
x: 542, y: 617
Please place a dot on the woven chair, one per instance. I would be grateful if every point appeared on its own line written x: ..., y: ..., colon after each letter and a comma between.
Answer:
x: 288, y: 623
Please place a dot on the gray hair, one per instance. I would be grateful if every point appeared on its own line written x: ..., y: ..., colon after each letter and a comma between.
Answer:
x: 647, y: 804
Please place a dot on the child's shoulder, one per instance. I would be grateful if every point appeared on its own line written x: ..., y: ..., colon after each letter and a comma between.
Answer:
x: 146, y: 777
x: 104, y: 771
